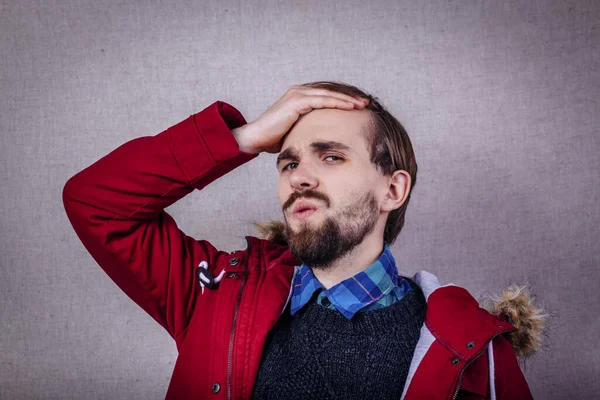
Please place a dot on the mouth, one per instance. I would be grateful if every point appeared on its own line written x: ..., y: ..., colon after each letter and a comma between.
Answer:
x: 303, y: 210
x: 303, y: 214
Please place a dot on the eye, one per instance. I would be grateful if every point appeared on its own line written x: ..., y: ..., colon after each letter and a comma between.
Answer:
x: 289, y: 166
x: 333, y: 158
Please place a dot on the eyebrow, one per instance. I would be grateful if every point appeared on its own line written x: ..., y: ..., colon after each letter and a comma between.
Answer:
x: 329, y: 145
x: 288, y: 154
x: 291, y: 154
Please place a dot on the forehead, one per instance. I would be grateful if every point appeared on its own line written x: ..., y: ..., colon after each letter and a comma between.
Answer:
x: 347, y: 127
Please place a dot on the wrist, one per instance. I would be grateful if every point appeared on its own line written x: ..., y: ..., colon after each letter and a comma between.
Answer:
x: 244, y: 137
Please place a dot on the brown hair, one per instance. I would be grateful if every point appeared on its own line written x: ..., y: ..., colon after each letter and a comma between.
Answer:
x: 391, y: 150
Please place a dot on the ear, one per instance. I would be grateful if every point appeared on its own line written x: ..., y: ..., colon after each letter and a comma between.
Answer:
x: 398, y: 190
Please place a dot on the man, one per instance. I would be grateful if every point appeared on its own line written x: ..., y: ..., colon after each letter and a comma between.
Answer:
x: 317, y: 310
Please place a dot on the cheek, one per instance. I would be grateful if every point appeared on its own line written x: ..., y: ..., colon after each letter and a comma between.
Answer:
x: 283, y: 192
x: 342, y: 192
x: 346, y: 192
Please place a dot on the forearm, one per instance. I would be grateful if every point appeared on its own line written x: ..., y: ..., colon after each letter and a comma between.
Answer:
x: 116, y: 207
x: 147, y: 174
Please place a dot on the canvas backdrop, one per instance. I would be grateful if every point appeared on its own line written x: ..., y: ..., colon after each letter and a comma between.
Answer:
x: 499, y: 98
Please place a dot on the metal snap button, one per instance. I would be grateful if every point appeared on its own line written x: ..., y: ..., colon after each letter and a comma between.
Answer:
x: 470, y: 345
x: 234, y: 261
x: 455, y: 361
x: 216, y: 387
x: 326, y: 302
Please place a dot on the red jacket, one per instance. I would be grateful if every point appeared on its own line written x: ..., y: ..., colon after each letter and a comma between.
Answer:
x: 116, y: 207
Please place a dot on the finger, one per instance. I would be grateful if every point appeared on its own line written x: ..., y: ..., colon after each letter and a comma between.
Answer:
x: 330, y: 93
x: 309, y: 103
x: 325, y: 92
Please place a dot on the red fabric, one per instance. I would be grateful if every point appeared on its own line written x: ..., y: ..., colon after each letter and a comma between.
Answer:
x: 510, y: 382
x: 116, y: 207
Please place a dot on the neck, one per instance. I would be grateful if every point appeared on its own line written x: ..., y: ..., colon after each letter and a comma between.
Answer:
x: 356, y: 260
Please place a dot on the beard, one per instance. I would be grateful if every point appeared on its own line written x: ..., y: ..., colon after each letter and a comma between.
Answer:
x: 338, y: 234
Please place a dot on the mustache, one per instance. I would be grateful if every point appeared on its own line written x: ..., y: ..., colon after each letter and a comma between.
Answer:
x: 307, y: 194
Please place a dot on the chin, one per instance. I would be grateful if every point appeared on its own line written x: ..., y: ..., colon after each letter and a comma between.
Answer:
x: 302, y: 224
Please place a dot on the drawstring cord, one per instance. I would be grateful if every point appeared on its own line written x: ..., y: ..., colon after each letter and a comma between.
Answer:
x: 207, y: 279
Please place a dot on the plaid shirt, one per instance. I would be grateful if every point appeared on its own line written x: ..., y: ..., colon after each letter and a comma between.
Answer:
x: 377, y: 286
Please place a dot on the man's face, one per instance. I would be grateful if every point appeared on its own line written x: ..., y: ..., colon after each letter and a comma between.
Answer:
x: 329, y: 190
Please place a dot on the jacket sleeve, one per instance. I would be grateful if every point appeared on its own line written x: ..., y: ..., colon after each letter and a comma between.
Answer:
x: 116, y: 207
x: 509, y: 381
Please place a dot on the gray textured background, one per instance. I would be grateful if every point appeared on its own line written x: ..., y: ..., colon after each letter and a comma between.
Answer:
x: 500, y: 99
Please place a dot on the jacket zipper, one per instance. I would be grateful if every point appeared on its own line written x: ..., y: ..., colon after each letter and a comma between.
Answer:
x: 484, y: 348
x: 231, y: 335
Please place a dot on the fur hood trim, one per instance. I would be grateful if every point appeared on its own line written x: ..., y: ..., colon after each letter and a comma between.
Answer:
x: 516, y: 306
x: 273, y: 230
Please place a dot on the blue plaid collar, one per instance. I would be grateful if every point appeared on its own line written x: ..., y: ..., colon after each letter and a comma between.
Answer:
x: 375, y: 287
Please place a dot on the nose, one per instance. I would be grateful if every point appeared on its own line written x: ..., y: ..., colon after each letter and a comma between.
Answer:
x: 302, y: 178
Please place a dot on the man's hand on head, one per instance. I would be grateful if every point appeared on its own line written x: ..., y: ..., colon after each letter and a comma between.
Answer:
x: 265, y: 134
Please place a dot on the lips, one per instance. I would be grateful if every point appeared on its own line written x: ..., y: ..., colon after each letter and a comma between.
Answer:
x: 304, y: 209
